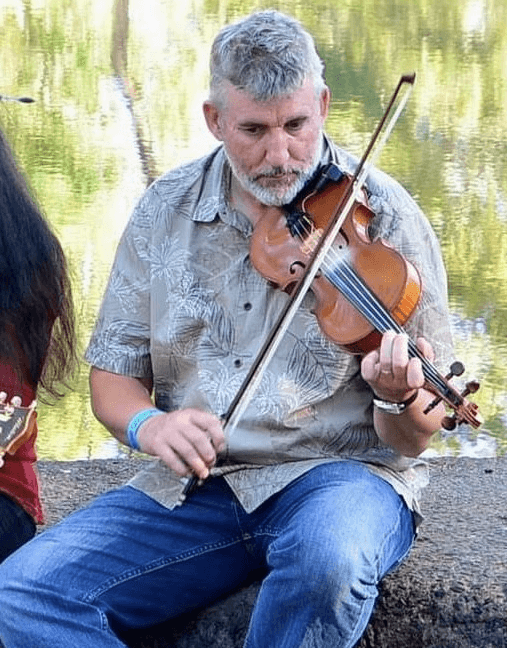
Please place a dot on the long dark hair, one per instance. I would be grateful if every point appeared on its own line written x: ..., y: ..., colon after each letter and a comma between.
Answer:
x: 37, y: 331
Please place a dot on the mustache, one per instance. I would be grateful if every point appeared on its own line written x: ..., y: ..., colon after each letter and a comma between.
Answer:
x: 274, y: 172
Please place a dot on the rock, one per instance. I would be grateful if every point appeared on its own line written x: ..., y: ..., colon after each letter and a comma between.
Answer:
x: 449, y: 593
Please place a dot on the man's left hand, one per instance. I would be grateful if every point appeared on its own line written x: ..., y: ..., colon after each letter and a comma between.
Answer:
x: 390, y: 371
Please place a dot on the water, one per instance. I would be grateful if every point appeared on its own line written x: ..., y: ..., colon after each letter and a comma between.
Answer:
x: 119, y: 85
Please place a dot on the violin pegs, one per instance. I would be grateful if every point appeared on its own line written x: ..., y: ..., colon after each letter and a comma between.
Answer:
x: 449, y: 423
x: 456, y: 369
x: 463, y: 411
x: 432, y: 405
x: 470, y: 388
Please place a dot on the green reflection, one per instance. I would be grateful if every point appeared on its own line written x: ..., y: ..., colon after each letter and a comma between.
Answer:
x: 119, y: 85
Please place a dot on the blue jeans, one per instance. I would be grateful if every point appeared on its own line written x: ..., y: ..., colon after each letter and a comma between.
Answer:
x: 124, y: 562
x: 16, y: 526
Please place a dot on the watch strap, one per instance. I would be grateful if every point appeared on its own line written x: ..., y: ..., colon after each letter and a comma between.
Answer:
x: 395, y: 408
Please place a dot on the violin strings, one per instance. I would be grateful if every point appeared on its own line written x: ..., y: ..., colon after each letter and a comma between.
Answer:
x: 352, y: 287
x: 343, y: 276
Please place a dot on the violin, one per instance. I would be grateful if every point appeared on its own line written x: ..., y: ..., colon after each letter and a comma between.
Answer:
x: 364, y: 287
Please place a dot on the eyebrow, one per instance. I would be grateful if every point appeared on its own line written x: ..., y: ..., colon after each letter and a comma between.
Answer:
x: 260, y: 124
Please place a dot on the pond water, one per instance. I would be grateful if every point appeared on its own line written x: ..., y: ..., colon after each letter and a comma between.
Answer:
x: 118, y: 87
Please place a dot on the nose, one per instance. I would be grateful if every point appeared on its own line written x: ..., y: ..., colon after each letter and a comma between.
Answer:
x: 277, y: 148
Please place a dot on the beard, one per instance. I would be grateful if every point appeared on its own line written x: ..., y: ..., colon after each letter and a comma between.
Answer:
x: 276, y: 186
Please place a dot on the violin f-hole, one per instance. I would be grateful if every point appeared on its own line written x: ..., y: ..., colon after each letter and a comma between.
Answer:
x: 295, y: 267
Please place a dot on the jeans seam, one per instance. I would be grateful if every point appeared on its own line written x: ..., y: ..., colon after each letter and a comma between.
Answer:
x: 131, y: 574
x: 387, y: 536
x: 254, y: 534
x: 402, y: 507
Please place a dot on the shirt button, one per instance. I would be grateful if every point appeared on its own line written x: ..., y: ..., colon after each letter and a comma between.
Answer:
x: 237, y: 363
x: 247, y: 306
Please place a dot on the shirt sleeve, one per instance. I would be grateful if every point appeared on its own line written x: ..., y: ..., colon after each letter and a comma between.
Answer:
x: 120, y: 342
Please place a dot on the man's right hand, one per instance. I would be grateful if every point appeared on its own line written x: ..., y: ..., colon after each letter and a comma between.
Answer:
x: 188, y: 440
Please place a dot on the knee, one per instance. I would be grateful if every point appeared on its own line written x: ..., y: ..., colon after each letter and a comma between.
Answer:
x: 330, y: 567
x: 13, y: 585
x: 24, y: 570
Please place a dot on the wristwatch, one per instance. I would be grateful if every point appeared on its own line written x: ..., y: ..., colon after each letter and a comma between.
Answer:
x: 395, y: 408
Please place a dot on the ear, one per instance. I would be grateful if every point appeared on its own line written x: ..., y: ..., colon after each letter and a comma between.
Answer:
x: 212, y: 117
x: 325, y: 101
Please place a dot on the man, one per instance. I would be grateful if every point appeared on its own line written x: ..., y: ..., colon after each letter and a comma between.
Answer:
x: 314, y: 484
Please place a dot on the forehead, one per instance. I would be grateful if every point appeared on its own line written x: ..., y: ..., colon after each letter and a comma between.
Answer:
x: 241, y: 107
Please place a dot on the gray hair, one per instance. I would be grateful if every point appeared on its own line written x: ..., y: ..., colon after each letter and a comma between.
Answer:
x: 266, y: 54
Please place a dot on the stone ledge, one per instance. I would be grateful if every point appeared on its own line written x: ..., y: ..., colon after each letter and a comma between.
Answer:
x: 450, y: 592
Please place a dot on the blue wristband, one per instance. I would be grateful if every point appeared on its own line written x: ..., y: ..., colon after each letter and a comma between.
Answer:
x: 135, y: 425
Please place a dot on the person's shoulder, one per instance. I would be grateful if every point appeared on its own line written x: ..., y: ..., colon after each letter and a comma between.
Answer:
x: 378, y: 183
x: 179, y: 191
x: 186, y: 178
x: 392, y: 204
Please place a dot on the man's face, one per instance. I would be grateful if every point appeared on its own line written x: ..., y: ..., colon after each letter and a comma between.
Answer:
x: 273, y: 147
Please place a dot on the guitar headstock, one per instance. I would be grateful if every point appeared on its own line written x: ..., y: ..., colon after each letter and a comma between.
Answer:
x: 17, y: 423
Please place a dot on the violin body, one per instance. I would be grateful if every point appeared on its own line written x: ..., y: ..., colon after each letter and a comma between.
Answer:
x: 282, y: 257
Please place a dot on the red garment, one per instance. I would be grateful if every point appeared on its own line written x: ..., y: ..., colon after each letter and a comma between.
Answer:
x: 18, y: 476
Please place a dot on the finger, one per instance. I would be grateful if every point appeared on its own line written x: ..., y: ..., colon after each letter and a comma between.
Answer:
x: 370, y: 366
x: 174, y: 461
x: 425, y: 348
x: 385, y: 352
x: 185, y: 440
x: 190, y: 457
x: 194, y: 442
x: 211, y: 426
x: 202, y: 443
x: 399, y: 355
x: 415, y: 375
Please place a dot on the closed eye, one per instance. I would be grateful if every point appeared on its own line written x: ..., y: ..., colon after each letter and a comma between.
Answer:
x: 253, y: 129
x: 295, y: 124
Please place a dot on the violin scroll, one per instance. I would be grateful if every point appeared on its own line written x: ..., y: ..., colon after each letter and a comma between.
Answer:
x: 467, y: 412
x: 464, y: 410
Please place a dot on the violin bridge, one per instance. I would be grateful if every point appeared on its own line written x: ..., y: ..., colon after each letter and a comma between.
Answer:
x: 311, y: 241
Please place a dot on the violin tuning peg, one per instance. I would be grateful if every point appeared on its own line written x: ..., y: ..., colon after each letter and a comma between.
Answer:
x: 456, y: 369
x: 432, y: 405
x: 449, y: 423
x: 470, y: 388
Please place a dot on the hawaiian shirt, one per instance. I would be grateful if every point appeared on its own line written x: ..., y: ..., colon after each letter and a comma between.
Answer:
x: 185, y: 307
